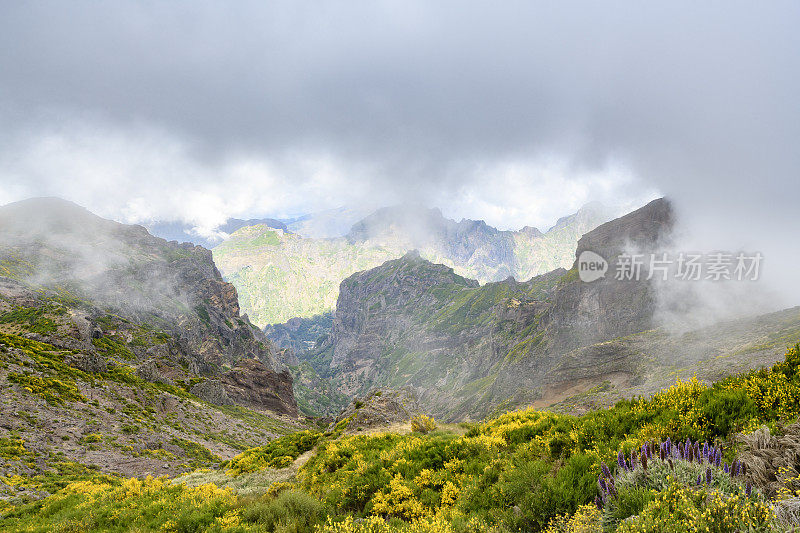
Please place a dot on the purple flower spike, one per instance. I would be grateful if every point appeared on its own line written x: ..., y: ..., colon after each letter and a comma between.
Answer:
x: 726, y: 469
x: 718, y: 458
x: 621, y: 460
x: 699, y: 482
x: 606, y: 472
x: 598, y: 503
x: 708, y: 476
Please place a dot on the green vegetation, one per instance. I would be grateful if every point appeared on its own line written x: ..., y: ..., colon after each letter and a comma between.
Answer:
x: 525, y: 470
x: 422, y: 424
x: 34, y: 319
x: 279, y: 453
x: 55, y: 391
x: 114, y: 348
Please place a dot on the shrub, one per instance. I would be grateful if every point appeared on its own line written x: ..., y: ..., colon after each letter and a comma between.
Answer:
x: 422, y: 424
x: 725, y: 411
x: 290, y: 510
x: 680, y: 508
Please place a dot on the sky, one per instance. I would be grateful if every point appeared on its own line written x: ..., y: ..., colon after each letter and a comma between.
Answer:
x: 516, y: 113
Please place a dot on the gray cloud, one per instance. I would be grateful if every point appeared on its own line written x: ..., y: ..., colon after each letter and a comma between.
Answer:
x: 482, y: 108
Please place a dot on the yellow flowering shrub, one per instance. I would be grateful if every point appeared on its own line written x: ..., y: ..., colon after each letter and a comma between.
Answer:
x: 680, y: 508
x: 585, y: 520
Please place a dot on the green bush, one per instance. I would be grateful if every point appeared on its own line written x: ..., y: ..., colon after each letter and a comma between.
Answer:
x: 725, y: 411
x: 290, y: 511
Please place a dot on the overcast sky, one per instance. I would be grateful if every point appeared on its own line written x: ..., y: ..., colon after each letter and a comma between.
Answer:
x: 512, y: 112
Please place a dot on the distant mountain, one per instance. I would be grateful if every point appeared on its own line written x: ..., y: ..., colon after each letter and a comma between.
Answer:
x: 467, y: 350
x: 182, y: 232
x: 281, y: 276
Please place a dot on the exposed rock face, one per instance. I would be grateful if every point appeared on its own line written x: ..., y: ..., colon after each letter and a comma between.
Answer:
x: 251, y: 383
x: 466, y: 349
x: 114, y: 289
x: 91, y: 363
x: 585, y: 313
x: 212, y: 391
x: 380, y: 408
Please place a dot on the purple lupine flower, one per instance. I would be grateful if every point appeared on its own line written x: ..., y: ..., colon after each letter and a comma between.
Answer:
x: 708, y: 476
x: 606, y: 472
x: 718, y: 458
x: 621, y: 460
x: 602, y: 483
x: 705, y: 449
x: 698, y: 480
x: 680, y: 452
x: 644, y: 460
x: 669, y: 445
x: 686, y: 450
x: 633, y: 459
x: 726, y: 469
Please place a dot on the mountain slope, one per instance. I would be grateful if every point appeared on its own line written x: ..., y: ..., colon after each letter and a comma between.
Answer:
x: 121, y: 340
x: 281, y: 276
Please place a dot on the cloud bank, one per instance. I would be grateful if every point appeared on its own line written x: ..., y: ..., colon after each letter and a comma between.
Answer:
x: 515, y: 113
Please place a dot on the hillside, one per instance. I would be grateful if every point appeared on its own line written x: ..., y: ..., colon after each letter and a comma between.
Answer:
x: 124, y: 351
x: 698, y: 457
x: 282, y: 275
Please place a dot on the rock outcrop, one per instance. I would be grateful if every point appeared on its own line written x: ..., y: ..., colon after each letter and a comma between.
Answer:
x: 379, y: 408
x: 253, y: 384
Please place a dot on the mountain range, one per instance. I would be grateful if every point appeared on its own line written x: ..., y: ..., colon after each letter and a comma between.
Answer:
x: 282, y: 275
x: 468, y: 350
